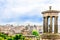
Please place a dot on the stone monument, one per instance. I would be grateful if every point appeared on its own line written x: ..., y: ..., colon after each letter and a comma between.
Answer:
x: 47, y: 33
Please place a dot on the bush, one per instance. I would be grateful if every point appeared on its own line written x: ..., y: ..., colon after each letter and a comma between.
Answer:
x: 16, y: 37
x: 35, y: 32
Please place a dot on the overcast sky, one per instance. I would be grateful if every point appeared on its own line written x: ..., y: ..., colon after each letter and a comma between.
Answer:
x: 25, y: 11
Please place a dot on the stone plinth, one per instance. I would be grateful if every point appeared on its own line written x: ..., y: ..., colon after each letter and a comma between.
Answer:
x: 30, y: 37
x: 50, y: 36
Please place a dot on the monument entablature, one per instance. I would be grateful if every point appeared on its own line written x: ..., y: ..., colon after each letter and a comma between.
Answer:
x: 50, y: 14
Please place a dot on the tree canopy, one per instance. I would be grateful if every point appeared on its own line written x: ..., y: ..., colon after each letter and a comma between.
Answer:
x: 35, y: 32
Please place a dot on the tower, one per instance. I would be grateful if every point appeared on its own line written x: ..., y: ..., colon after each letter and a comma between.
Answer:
x: 50, y: 14
x: 47, y: 33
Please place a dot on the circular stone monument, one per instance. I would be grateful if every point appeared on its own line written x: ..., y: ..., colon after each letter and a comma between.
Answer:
x: 47, y: 29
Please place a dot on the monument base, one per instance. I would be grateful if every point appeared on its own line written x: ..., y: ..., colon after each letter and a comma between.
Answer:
x: 50, y: 36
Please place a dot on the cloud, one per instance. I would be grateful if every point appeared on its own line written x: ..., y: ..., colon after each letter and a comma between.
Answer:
x: 15, y: 11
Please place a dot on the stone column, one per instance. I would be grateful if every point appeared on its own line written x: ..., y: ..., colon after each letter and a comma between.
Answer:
x: 46, y: 24
x: 43, y: 24
x: 56, y: 24
x: 50, y: 31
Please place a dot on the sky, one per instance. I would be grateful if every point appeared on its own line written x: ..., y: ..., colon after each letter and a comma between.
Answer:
x: 26, y: 11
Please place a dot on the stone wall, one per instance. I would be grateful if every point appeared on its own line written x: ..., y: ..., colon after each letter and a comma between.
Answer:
x: 30, y: 37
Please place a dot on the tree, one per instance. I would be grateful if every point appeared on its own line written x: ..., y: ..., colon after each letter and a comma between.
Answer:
x: 18, y: 37
x: 1, y: 38
x: 4, y: 36
x: 35, y: 32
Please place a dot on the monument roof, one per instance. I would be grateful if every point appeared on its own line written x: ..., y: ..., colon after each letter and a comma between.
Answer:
x: 50, y: 11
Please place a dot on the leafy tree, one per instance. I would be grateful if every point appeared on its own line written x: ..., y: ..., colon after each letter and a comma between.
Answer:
x: 35, y: 32
x: 13, y: 37
x: 3, y: 35
x: 9, y: 38
x: 1, y: 38
x: 18, y: 37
